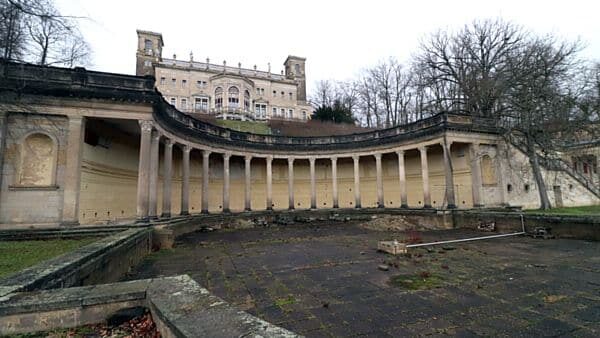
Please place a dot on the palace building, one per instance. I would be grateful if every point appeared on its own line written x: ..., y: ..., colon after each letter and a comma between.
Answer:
x: 225, y: 91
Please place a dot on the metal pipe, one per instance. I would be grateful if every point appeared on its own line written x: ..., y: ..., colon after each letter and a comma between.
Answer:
x: 473, y: 238
x: 464, y: 240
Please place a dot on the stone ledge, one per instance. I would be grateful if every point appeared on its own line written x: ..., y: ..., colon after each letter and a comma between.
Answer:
x: 180, y: 307
x: 58, y: 271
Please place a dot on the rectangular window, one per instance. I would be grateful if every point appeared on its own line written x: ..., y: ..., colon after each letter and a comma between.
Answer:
x: 304, y: 114
x: 183, y: 83
x: 201, y: 104
x: 183, y: 104
x: 162, y: 80
x: 173, y: 101
x: 274, y: 93
x: 282, y: 111
x: 291, y: 96
x: 173, y: 82
x: 291, y: 113
x: 274, y: 112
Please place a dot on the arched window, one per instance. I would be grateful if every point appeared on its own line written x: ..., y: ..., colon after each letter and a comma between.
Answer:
x: 37, y: 165
x: 488, y: 171
x: 246, y: 100
x: 233, y: 97
x: 219, y: 98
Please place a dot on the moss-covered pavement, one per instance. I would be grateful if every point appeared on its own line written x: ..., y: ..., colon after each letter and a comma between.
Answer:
x: 17, y: 255
x: 324, y: 279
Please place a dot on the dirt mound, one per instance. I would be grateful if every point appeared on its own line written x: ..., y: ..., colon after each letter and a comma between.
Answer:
x: 396, y: 223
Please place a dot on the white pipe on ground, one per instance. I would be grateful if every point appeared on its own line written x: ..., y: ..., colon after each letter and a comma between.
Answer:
x: 473, y: 238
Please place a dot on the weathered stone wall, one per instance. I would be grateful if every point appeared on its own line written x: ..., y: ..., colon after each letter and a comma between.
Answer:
x: 103, y: 261
x: 577, y: 227
x: 517, y: 172
x: 39, y: 197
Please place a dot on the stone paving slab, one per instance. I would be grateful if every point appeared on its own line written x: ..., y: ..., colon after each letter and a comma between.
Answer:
x: 321, y: 280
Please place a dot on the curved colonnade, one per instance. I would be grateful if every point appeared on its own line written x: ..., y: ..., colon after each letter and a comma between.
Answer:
x: 173, y: 128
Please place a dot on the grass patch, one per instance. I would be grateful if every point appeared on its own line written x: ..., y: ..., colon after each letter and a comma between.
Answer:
x: 245, y: 126
x: 590, y: 210
x: 18, y: 255
x: 285, y: 301
x: 419, y: 281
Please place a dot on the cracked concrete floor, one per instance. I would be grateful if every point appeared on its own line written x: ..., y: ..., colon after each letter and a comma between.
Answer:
x: 322, y: 279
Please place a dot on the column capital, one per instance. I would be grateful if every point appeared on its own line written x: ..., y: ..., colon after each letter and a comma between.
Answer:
x: 311, y: 159
x: 400, y: 152
x: 248, y: 158
x: 168, y: 142
x: 146, y: 125
x: 423, y: 149
x: 290, y: 160
x: 334, y: 159
x: 206, y: 153
x: 355, y: 158
x: 156, y: 135
x: 186, y: 148
x: 226, y: 156
x: 269, y: 158
x: 377, y: 156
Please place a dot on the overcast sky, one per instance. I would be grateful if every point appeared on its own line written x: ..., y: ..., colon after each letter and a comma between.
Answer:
x: 338, y: 38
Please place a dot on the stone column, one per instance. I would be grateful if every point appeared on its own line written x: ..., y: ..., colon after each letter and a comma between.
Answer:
x: 3, y: 135
x: 226, y: 157
x: 143, y: 184
x: 402, y: 177
x: 476, y: 175
x: 291, y: 183
x: 501, y: 153
x: 185, y: 182
x: 449, y: 173
x: 248, y: 183
x: 425, y: 176
x: 356, y: 160
x: 313, y: 184
x: 205, y: 181
x: 269, y: 160
x: 72, y: 185
x: 380, y: 200
x: 334, y: 186
x: 153, y: 188
x: 167, y: 177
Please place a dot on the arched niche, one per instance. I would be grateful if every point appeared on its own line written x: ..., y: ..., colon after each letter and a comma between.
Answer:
x: 37, y: 160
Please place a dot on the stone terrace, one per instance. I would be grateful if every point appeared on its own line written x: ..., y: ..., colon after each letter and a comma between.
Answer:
x: 323, y: 280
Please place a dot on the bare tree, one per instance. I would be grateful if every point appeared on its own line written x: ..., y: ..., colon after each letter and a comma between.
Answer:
x: 470, y: 68
x: 34, y: 31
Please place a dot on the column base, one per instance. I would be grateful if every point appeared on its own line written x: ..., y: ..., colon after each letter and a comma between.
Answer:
x: 404, y: 206
x: 451, y: 206
x: 226, y: 211
x: 204, y: 211
x: 165, y: 215
x: 313, y: 207
x: 153, y: 218
x: 358, y: 206
x: 270, y: 208
x: 336, y: 206
x: 184, y: 213
x: 380, y: 206
x: 290, y: 208
x: 427, y: 206
x: 247, y: 209
x: 69, y: 223
x: 142, y: 220
x: 478, y: 206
